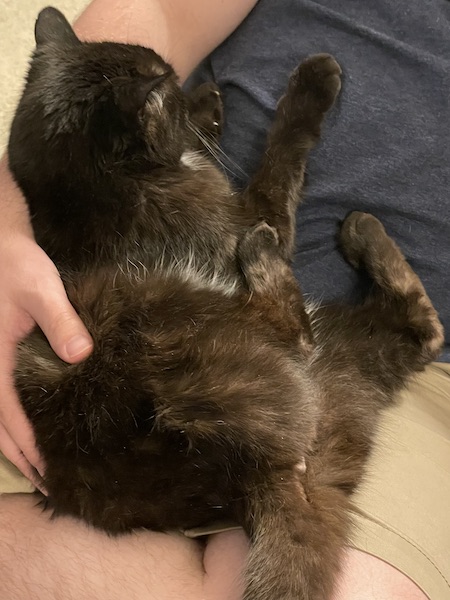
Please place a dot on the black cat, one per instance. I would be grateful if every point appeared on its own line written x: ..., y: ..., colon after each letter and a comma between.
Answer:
x: 213, y: 392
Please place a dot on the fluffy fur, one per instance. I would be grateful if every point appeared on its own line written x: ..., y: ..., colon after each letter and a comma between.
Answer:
x: 212, y: 392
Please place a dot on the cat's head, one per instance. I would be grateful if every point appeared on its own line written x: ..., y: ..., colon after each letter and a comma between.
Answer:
x: 109, y: 100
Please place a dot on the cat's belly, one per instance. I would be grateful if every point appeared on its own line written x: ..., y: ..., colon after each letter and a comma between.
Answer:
x: 167, y: 490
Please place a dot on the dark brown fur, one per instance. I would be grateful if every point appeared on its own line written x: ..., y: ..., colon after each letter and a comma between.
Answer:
x: 210, y: 382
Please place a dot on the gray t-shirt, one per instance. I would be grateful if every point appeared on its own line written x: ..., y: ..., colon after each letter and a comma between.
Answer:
x: 385, y: 146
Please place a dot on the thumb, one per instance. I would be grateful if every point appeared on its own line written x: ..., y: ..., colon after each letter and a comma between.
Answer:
x: 60, y: 323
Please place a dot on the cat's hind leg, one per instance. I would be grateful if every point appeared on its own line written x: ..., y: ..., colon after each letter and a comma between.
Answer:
x: 403, y: 298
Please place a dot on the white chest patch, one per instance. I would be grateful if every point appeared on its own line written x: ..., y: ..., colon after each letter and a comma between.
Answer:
x: 200, y: 277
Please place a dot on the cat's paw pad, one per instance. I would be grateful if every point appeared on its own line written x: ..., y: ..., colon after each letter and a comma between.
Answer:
x: 317, y: 80
x: 358, y: 232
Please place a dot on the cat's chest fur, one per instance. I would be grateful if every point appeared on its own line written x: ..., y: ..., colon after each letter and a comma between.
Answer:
x: 184, y: 219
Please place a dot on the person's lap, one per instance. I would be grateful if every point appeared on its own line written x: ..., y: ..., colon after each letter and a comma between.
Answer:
x: 42, y: 559
x: 62, y: 559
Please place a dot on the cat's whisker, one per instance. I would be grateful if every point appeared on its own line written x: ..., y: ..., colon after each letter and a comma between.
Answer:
x: 114, y: 279
x: 218, y: 154
x: 120, y: 269
x: 216, y: 151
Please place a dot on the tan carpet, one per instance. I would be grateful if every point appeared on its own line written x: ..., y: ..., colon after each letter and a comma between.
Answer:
x: 17, y: 19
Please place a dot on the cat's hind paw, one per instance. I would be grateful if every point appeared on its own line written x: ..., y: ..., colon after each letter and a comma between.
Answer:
x: 360, y: 230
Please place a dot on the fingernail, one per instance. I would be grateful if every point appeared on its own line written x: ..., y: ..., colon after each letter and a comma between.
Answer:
x: 79, y: 344
x: 40, y: 468
x: 38, y: 482
x: 40, y: 486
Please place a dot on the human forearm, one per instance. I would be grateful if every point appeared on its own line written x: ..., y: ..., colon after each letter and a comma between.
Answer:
x: 15, y: 217
x: 182, y: 31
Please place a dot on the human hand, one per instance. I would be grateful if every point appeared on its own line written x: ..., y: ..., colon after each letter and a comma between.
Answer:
x: 31, y: 291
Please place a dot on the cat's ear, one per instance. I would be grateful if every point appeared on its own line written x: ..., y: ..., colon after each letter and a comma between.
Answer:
x: 131, y: 96
x: 52, y: 26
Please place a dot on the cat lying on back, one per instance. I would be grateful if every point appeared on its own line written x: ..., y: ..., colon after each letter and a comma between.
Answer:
x: 212, y: 393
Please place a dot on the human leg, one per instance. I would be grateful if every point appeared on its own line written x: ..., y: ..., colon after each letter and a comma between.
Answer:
x: 64, y: 559
x: 366, y: 577
x: 61, y: 559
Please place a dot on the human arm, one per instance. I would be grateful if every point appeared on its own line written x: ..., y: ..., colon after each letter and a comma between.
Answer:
x: 181, y: 31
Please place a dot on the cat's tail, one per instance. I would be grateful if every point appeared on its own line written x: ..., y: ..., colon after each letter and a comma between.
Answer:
x: 298, y: 534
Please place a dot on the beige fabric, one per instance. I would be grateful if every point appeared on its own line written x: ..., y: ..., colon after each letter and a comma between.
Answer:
x: 12, y: 480
x: 404, y: 506
x: 17, y: 19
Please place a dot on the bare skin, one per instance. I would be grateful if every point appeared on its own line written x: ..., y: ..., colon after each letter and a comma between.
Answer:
x: 63, y: 559
x: 42, y: 559
x: 366, y: 577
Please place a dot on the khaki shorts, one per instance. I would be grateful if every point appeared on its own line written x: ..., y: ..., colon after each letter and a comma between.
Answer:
x: 402, y: 511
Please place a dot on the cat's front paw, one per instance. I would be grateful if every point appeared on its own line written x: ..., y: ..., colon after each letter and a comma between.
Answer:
x: 318, y: 81
x: 206, y: 109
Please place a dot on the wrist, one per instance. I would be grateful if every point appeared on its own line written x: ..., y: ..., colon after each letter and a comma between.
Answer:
x: 15, y: 216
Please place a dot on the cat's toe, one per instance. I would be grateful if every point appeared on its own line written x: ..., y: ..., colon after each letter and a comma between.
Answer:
x: 261, y: 237
x: 212, y: 101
